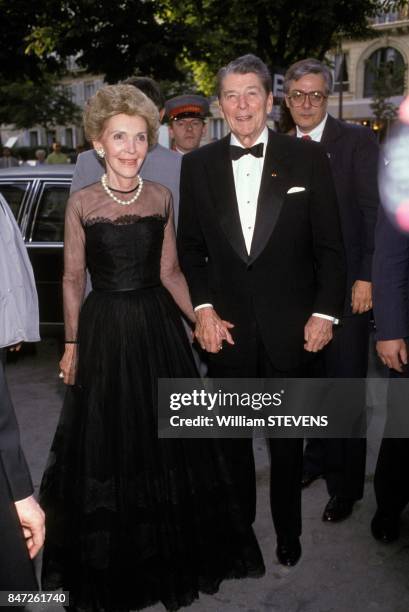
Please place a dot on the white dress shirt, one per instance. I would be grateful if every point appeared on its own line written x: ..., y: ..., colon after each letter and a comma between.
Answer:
x: 316, y: 133
x: 247, y: 173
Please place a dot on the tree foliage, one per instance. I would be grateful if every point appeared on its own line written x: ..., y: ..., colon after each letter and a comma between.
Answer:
x: 43, y: 102
x: 279, y: 32
x: 169, y: 38
x: 29, y: 86
x: 115, y: 38
x: 179, y: 42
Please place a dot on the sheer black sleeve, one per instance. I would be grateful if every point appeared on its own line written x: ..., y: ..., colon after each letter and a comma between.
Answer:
x: 170, y: 272
x: 74, y: 266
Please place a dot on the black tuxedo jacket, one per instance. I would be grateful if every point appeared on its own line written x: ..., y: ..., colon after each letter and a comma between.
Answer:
x: 296, y: 263
x: 353, y: 153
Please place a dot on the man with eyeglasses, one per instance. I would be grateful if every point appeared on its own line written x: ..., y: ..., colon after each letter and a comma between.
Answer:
x: 186, y: 115
x: 353, y: 155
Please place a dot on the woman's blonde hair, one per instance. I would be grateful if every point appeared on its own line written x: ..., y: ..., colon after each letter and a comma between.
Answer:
x: 114, y: 100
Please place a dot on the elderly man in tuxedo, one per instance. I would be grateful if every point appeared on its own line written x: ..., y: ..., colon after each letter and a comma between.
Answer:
x: 21, y: 518
x: 353, y: 154
x: 260, y: 244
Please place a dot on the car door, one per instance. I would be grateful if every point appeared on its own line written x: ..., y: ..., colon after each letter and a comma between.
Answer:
x: 44, y: 235
x: 17, y: 194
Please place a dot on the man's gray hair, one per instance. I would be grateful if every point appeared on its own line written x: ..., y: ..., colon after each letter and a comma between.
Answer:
x: 308, y: 66
x: 244, y: 65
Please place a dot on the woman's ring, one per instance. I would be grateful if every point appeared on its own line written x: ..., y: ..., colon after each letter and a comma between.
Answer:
x: 61, y: 375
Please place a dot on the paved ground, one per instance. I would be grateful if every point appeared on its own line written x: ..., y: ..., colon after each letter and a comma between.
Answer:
x: 342, y: 567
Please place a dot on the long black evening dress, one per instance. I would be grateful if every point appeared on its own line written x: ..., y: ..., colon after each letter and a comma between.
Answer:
x: 131, y: 519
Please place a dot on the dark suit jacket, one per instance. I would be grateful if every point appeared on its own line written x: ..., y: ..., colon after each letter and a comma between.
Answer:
x: 296, y: 264
x: 12, y: 457
x: 390, y: 280
x: 353, y: 153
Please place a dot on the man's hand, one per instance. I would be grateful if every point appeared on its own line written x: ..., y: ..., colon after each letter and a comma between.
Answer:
x: 317, y: 333
x: 68, y: 363
x: 361, y: 297
x: 32, y: 520
x: 393, y: 353
x: 211, y: 330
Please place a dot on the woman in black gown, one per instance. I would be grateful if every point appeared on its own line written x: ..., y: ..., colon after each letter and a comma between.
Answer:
x: 131, y: 519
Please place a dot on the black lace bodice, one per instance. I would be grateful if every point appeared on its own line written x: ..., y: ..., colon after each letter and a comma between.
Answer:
x: 123, y: 249
x: 124, y: 256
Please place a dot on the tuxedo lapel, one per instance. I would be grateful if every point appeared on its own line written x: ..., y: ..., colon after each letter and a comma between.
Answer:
x: 221, y: 182
x: 274, y: 184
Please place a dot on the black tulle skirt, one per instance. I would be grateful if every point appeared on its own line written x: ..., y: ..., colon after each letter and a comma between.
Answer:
x: 131, y: 519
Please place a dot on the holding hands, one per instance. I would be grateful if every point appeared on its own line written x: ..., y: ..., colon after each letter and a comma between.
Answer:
x: 211, y: 330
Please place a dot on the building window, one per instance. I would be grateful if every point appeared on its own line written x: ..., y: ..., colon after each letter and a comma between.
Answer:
x: 33, y: 138
x: 217, y: 130
x: 385, y: 64
x: 90, y: 88
x: 69, y: 140
x: 341, y: 77
x: 387, y: 17
x: 51, y: 137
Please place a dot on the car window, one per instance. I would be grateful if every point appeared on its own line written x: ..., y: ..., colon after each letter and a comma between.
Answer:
x: 14, y: 195
x: 49, y: 220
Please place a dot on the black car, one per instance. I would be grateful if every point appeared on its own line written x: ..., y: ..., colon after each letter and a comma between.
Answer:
x: 37, y: 196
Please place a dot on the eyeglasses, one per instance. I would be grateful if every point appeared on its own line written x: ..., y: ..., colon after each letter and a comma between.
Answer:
x: 185, y: 123
x: 315, y: 98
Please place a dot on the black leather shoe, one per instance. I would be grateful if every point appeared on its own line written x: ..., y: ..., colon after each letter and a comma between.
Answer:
x: 385, y: 528
x: 308, y: 479
x: 288, y: 551
x: 337, y: 509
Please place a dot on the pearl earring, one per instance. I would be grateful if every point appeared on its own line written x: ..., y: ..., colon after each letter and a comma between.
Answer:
x: 100, y: 153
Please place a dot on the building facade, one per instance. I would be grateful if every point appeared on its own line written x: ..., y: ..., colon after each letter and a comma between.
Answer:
x: 359, y: 63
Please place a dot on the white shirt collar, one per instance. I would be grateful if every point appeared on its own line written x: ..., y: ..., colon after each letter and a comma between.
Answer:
x: 316, y: 133
x: 262, y: 138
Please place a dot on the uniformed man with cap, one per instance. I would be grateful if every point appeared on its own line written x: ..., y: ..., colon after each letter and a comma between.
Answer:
x: 186, y: 116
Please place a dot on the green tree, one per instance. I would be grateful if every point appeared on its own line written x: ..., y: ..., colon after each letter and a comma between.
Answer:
x: 29, y: 90
x: 279, y: 32
x: 43, y: 102
x: 115, y: 38
x: 169, y: 38
x: 172, y: 39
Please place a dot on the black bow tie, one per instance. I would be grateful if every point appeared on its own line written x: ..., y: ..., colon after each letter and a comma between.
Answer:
x: 255, y: 150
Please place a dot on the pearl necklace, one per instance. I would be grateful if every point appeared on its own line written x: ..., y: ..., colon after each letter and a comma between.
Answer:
x: 118, y: 200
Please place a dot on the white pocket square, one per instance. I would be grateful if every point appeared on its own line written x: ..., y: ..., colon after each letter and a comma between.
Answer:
x: 295, y: 189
